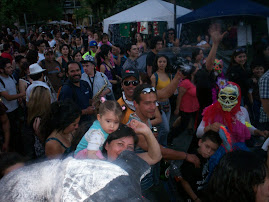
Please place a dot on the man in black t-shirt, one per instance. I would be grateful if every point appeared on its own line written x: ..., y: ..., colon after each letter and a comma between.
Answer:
x: 205, y: 78
x: 156, y: 45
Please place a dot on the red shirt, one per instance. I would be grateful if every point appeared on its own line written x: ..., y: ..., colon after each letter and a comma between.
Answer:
x: 8, y: 56
x: 189, y: 101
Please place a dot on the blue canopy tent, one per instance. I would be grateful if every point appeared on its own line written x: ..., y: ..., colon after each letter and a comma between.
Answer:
x: 221, y: 8
x: 225, y: 8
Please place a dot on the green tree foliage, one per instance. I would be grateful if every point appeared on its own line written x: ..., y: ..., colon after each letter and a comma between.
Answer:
x: 36, y: 10
x: 45, y: 10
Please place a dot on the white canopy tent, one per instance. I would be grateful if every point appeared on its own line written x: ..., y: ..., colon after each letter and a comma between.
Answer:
x: 150, y: 10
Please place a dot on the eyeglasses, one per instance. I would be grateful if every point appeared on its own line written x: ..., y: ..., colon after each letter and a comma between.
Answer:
x: 148, y: 90
x: 127, y: 83
x: 240, y: 50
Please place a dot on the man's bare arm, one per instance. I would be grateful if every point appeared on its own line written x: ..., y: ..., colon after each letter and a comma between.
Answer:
x: 169, y: 90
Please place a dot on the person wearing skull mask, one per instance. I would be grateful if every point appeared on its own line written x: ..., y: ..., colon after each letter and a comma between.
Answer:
x: 228, y: 112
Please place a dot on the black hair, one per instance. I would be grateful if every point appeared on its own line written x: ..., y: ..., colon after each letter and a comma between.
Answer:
x: 195, y: 52
x: 72, y: 62
x: 188, y: 72
x: 138, y: 90
x: 155, y: 63
x: 128, y: 47
x: 8, y: 159
x: 144, y: 77
x: 259, y: 48
x: 65, y: 36
x: 61, y: 115
x: 61, y: 47
x: 19, y: 58
x: 257, y: 63
x: 32, y: 36
x: 6, y: 46
x: 104, y: 50
x: 32, y: 56
x: 237, y: 51
x: 78, y: 134
x: 24, y: 67
x: 22, y: 49
x: 212, y: 136
x: 122, y: 50
x: 122, y: 131
x: 90, y: 29
x: 49, y: 35
x: 236, y: 176
x: 103, y: 36
x: 76, y: 52
x: 37, y: 76
x: 39, y: 42
x: 154, y: 41
x: 169, y: 30
x: 4, y: 62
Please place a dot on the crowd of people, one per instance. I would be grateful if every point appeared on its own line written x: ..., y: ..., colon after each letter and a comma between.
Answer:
x: 72, y: 93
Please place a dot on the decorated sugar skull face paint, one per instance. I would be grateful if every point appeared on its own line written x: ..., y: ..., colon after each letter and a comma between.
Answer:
x: 228, y: 97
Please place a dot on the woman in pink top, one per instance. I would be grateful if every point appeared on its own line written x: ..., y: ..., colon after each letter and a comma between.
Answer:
x: 187, y: 103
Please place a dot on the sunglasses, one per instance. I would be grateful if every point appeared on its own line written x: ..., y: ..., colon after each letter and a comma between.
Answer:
x: 127, y: 83
x: 148, y: 90
x: 170, y: 33
x: 240, y: 50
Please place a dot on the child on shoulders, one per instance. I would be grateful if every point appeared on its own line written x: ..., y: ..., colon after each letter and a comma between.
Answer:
x: 108, y: 120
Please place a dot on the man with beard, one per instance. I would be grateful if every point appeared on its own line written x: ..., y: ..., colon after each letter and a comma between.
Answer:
x: 77, y: 90
x: 54, y: 71
x: 9, y: 96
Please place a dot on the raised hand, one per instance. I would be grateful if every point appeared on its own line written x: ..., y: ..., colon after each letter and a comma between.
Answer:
x: 139, y: 127
x: 215, y: 33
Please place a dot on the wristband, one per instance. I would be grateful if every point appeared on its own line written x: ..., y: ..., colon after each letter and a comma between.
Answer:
x: 186, y: 156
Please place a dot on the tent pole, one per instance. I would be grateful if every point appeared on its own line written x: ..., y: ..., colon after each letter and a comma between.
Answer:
x: 175, y: 15
x: 268, y: 24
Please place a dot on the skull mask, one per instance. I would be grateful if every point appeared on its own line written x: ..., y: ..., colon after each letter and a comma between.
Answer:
x: 228, y: 97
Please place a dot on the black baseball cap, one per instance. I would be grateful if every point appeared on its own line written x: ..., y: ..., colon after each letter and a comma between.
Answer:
x: 130, y: 72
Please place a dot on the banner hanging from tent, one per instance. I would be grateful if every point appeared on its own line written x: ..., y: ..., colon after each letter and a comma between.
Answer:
x: 125, y: 30
x: 144, y: 28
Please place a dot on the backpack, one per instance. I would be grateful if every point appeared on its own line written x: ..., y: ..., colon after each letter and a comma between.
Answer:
x: 2, y: 82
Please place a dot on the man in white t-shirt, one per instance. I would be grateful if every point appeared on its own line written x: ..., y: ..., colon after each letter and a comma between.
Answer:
x: 9, y: 96
x: 41, y: 46
x: 51, y: 40
x: 8, y: 89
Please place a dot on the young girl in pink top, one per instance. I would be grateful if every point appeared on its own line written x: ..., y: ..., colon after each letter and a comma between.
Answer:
x: 105, y: 41
x: 187, y: 103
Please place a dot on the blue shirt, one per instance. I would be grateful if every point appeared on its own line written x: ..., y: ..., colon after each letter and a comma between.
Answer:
x: 80, y: 95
